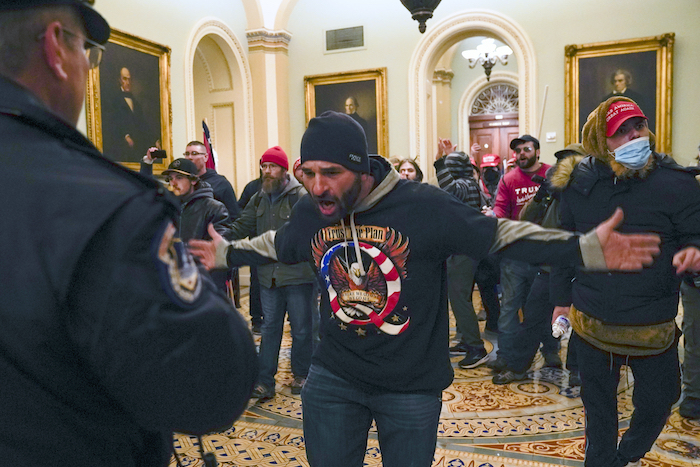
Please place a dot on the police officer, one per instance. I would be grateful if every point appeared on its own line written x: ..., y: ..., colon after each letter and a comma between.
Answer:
x: 111, y: 338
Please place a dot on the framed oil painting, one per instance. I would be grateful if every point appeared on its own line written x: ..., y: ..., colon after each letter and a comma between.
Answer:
x: 360, y: 94
x: 640, y: 69
x: 128, y: 104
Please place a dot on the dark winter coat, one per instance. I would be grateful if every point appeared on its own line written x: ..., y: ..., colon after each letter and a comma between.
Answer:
x: 664, y: 199
x: 198, y: 210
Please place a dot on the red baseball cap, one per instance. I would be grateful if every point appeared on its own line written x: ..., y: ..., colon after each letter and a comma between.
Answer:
x: 618, y: 113
x: 490, y: 160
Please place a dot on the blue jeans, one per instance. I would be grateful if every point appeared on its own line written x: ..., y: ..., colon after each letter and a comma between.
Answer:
x: 338, y: 416
x: 516, y: 281
x: 297, y: 300
x: 535, y: 328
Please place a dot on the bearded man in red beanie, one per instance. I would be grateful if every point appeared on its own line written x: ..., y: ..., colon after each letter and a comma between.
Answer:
x: 626, y: 319
x: 284, y: 288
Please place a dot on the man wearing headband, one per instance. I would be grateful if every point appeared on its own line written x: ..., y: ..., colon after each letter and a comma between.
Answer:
x: 380, y: 245
x: 102, y: 307
x: 626, y: 319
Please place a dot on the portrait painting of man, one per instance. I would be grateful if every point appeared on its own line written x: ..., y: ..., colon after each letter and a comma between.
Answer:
x: 630, y: 75
x: 357, y: 99
x: 130, y: 103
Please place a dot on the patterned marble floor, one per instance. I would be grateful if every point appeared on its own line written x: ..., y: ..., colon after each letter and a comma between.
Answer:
x: 536, y: 423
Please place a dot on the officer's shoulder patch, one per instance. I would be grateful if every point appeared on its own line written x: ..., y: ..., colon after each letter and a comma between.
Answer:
x: 177, y: 270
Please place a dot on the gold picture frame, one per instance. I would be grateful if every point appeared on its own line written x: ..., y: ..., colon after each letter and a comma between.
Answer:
x: 591, y: 68
x: 331, y: 91
x: 123, y: 125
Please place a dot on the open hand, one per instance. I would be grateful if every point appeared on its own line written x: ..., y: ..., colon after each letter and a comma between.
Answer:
x: 475, y: 149
x: 628, y: 252
x: 687, y: 260
x: 205, y: 250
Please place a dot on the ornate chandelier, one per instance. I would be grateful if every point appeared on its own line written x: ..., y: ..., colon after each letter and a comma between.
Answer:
x: 422, y: 10
x: 487, y: 54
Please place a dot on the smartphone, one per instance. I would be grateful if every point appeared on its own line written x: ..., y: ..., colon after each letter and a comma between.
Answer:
x: 158, y: 154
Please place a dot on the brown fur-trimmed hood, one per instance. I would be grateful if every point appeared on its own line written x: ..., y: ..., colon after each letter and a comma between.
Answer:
x: 595, y: 142
x: 562, y: 172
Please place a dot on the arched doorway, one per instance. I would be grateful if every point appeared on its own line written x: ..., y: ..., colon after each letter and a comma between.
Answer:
x: 218, y: 87
x: 435, y: 43
x: 492, y: 117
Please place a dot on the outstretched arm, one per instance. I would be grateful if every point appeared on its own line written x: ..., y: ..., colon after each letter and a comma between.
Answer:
x: 600, y: 249
x: 220, y: 254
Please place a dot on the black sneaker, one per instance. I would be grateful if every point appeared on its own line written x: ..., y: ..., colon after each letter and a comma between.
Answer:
x: 256, y: 328
x: 473, y: 358
x: 690, y: 408
x: 507, y: 377
x: 459, y: 348
x: 262, y: 393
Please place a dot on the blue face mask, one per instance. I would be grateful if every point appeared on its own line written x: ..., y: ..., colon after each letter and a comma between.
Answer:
x: 633, y: 154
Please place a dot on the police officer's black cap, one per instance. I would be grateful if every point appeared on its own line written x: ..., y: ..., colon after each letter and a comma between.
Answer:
x: 182, y: 166
x: 96, y: 26
x: 525, y: 139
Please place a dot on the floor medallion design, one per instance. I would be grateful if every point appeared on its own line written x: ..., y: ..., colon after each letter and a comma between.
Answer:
x: 538, y: 422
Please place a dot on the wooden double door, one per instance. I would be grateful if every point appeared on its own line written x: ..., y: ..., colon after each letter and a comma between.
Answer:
x: 494, y: 134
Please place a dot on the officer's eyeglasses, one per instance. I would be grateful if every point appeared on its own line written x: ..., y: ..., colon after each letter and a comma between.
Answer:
x: 93, y: 50
x: 525, y: 149
x: 194, y: 153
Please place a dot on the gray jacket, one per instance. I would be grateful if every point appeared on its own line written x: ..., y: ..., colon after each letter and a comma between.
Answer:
x: 261, y: 215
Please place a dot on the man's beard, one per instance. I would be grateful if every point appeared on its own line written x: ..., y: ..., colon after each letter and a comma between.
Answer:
x: 526, y: 163
x: 344, y: 204
x: 271, y: 184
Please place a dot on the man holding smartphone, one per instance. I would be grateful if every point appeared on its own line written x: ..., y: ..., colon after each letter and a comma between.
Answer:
x: 197, y: 153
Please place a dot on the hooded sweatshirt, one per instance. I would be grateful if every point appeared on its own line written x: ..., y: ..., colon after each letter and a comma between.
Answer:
x: 455, y: 174
x: 383, y: 268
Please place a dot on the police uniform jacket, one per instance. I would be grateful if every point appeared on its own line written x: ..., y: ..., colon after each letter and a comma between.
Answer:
x: 110, y: 338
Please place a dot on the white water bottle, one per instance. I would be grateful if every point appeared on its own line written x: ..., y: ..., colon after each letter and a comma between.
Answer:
x: 561, y: 326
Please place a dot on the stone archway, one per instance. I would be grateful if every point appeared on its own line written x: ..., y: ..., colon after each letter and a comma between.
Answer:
x: 439, y: 38
x: 221, y: 68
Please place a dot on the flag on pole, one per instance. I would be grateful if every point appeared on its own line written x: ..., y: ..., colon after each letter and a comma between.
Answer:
x: 211, y: 163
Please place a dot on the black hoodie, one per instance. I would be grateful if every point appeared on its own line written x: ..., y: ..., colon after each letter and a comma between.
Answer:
x: 387, y: 329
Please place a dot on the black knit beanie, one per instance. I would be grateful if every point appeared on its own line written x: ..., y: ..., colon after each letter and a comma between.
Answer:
x: 338, y: 138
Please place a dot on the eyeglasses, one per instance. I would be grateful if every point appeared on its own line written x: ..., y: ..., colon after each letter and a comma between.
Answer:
x: 93, y: 50
x: 194, y: 153
x: 525, y: 149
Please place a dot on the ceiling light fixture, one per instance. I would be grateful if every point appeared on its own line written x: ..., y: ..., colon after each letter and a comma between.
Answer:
x: 487, y: 54
x: 422, y: 10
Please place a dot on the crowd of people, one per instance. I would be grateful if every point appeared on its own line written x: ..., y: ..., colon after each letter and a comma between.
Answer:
x: 113, y: 296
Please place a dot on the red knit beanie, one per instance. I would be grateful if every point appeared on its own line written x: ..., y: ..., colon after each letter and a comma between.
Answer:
x: 276, y: 155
